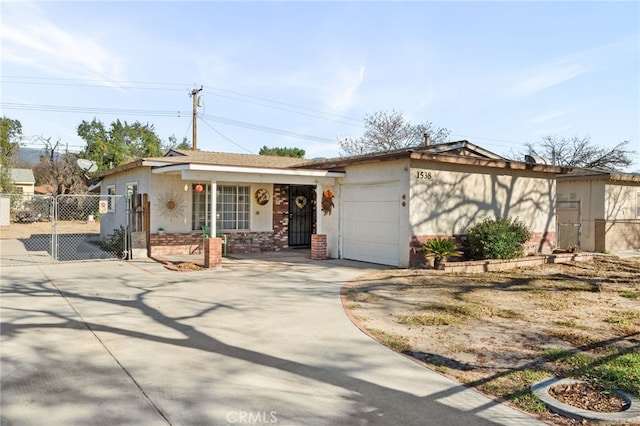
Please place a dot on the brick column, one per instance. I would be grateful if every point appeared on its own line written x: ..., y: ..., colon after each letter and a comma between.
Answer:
x: 212, y: 252
x: 319, y: 247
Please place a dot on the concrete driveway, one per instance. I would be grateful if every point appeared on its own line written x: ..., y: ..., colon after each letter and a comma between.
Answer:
x: 255, y: 342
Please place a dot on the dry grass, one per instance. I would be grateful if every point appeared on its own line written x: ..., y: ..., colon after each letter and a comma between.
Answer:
x: 491, y: 330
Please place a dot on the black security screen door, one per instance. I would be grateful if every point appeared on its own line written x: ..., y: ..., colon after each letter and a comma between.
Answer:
x: 300, y: 216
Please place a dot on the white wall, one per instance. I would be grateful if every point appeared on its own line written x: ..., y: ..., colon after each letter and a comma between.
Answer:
x: 446, y: 199
x: 111, y: 221
x: 162, y: 189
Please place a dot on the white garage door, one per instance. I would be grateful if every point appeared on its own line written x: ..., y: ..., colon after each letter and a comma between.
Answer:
x: 370, y: 223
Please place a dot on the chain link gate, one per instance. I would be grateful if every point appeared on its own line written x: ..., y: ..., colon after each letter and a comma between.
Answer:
x: 106, y: 235
x: 45, y: 229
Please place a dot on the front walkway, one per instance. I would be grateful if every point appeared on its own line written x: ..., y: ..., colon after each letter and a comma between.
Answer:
x: 253, y: 342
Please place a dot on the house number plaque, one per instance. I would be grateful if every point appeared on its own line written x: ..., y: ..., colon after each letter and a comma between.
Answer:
x: 424, y: 175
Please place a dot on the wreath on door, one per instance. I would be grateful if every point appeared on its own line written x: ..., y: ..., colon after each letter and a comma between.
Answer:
x: 300, y: 201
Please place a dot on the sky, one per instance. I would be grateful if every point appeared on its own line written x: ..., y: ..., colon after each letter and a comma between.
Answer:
x: 304, y: 74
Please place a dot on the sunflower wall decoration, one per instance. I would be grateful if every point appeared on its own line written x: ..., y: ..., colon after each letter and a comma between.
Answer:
x: 169, y: 206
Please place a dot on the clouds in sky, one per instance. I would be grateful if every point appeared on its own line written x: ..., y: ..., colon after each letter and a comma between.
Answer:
x: 501, y: 70
x: 30, y: 39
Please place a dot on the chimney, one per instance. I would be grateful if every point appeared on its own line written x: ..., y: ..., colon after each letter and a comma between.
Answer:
x: 427, y: 139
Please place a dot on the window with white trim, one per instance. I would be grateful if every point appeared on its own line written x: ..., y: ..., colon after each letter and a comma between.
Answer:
x: 233, y: 204
x: 200, y: 201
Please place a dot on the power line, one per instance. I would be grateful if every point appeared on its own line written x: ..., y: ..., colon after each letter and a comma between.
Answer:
x: 266, y: 129
x: 160, y: 113
x: 215, y: 130
x: 156, y: 86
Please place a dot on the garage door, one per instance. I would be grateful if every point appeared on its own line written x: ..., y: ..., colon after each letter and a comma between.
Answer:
x: 370, y: 223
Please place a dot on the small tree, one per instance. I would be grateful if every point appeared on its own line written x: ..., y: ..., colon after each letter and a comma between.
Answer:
x: 387, y: 131
x: 501, y: 238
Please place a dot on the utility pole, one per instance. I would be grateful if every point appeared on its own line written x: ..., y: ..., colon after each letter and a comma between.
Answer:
x: 196, y: 104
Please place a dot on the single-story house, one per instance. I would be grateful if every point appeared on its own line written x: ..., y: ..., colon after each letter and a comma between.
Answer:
x: 374, y: 207
x: 599, y: 210
x: 23, y: 180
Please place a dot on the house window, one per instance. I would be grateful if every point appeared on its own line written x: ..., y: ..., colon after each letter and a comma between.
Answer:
x: 111, y: 202
x: 200, y: 206
x: 568, y: 201
x: 638, y: 204
x: 232, y: 206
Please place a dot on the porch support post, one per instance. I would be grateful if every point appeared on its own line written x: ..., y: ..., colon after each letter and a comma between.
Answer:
x: 213, y: 245
x: 318, y: 209
x: 212, y: 209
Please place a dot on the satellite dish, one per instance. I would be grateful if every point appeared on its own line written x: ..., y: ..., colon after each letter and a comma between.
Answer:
x: 87, y: 166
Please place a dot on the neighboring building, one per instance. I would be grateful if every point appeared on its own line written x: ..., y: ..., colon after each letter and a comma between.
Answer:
x: 23, y: 180
x: 599, y: 210
x: 376, y: 207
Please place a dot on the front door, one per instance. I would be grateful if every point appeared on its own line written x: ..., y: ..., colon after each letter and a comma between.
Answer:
x: 301, y: 200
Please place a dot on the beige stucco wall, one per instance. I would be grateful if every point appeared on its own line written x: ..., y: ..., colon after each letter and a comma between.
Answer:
x: 601, y: 201
x: 620, y: 201
x: 446, y: 199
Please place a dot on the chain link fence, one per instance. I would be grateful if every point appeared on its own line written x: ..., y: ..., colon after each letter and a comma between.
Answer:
x: 26, y: 229
x: 45, y: 229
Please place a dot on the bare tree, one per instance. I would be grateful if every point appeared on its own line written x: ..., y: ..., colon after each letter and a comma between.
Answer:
x: 387, y: 131
x: 59, y: 169
x: 580, y: 152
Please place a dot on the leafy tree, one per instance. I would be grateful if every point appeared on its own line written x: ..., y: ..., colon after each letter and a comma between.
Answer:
x: 10, y: 137
x: 59, y: 170
x: 580, y: 152
x: 118, y: 144
x: 282, y: 152
x: 387, y: 131
x: 172, y: 142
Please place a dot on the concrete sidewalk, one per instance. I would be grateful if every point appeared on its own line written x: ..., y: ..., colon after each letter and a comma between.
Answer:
x: 255, y: 342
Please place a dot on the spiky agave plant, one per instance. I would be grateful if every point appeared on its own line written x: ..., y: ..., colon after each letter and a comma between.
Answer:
x: 440, y: 248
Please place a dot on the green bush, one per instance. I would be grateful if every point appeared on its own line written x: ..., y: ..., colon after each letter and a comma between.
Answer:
x: 501, y: 238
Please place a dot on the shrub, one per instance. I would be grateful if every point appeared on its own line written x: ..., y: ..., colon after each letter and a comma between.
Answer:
x: 440, y: 248
x: 501, y: 238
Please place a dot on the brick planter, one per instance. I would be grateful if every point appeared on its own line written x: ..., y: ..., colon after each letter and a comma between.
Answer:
x: 213, y: 252
x: 319, y: 247
x: 477, y: 266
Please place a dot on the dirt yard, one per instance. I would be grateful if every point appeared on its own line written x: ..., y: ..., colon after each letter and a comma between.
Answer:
x: 25, y: 230
x: 483, y: 329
